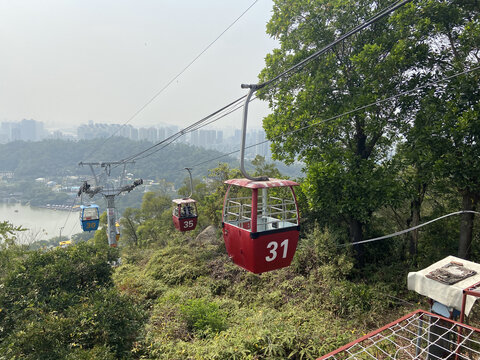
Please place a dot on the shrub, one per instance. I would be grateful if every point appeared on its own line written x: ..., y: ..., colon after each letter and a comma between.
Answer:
x: 320, y: 248
x: 175, y: 265
x: 203, y: 317
x: 108, y: 319
x: 351, y: 298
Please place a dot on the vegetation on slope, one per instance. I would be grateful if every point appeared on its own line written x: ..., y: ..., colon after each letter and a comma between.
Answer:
x: 372, y: 172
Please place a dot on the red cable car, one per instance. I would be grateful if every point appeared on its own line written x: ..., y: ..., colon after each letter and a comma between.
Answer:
x: 260, y: 230
x: 185, y: 211
x: 184, y: 214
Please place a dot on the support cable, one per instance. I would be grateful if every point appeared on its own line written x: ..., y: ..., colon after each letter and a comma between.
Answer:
x: 404, y: 93
x: 409, y: 229
x: 174, y: 78
x: 189, y: 128
x: 173, y: 138
x: 296, y: 67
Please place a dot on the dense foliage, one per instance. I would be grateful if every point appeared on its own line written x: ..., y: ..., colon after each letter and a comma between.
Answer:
x: 61, y: 304
x: 55, y: 159
x: 366, y: 147
x: 370, y: 170
x: 59, y: 158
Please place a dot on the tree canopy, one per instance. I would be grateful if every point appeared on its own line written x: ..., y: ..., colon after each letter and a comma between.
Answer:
x: 332, y: 114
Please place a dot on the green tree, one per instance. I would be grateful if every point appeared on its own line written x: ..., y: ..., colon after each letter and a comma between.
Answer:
x: 62, y: 302
x: 130, y: 221
x: 149, y: 223
x: 443, y: 142
x: 10, y: 252
x: 262, y: 167
x: 349, y: 174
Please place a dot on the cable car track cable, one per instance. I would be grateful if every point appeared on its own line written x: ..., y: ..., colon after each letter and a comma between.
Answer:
x: 183, y: 132
x: 409, y: 229
x: 187, y: 129
x: 407, y: 92
x: 297, y: 67
x: 174, y: 78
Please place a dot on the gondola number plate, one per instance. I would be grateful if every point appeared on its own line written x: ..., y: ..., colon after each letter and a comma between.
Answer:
x: 273, y: 246
x: 188, y: 224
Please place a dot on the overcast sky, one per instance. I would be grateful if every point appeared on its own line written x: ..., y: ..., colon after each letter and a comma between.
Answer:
x: 65, y: 62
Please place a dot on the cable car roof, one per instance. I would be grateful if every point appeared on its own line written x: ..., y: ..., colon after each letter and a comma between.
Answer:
x: 183, y: 201
x: 261, y: 184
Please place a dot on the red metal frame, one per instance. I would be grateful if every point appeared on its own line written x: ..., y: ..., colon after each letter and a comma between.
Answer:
x: 390, y: 325
x: 466, y: 292
x: 252, y: 184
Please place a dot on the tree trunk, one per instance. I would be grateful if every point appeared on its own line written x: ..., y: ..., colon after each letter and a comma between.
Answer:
x: 414, y: 219
x: 132, y: 229
x: 469, y: 202
x: 356, y: 235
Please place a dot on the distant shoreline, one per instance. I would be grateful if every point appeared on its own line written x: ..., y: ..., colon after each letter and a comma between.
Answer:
x: 48, y: 206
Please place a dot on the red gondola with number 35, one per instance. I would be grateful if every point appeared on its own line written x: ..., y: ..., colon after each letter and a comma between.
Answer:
x: 184, y: 214
x: 185, y: 210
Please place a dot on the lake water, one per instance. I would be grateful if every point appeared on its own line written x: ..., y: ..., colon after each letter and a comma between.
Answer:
x: 42, y: 224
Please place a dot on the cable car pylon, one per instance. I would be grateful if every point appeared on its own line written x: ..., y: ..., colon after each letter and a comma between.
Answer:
x: 109, y: 191
x: 260, y: 230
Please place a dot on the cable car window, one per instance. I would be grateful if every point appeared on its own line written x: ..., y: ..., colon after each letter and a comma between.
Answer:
x: 90, y: 214
x: 276, y: 209
x: 238, y: 207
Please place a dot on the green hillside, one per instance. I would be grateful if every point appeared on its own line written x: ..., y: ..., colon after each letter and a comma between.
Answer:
x: 57, y: 158
x: 387, y: 126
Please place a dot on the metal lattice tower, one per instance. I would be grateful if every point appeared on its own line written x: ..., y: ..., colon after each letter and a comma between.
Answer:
x: 109, y: 192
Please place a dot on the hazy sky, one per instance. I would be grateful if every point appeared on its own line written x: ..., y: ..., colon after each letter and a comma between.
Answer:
x: 65, y: 62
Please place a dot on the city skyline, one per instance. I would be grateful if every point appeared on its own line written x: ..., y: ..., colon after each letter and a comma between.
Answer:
x: 70, y: 62
x: 223, y: 140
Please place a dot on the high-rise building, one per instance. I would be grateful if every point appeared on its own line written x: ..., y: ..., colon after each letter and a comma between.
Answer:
x: 134, y: 134
x: 161, y: 134
x: 28, y: 130
x: 194, y: 138
x: 152, y: 134
x: 219, y: 137
x: 142, y: 134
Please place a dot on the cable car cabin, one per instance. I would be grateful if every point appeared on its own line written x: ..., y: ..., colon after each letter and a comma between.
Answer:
x: 89, y: 217
x: 260, y: 223
x: 184, y: 214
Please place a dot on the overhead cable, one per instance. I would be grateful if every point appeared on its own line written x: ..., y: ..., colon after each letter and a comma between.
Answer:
x: 173, y: 138
x: 187, y: 129
x: 296, y: 67
x: 409, y: 229
x: 345, y: 36
x: 135, y: 114
x: 407, y: 92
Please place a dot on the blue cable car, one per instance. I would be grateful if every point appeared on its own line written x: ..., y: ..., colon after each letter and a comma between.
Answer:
x: 89, y: 217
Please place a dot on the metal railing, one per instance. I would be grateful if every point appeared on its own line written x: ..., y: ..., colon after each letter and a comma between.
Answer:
x: 280, y: 213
